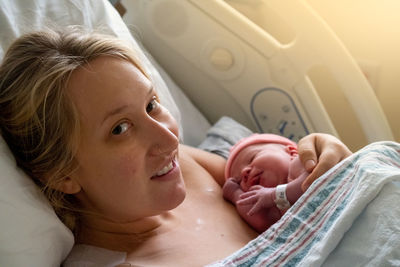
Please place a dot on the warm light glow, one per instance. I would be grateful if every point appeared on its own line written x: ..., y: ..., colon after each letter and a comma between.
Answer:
x: 368, y: 28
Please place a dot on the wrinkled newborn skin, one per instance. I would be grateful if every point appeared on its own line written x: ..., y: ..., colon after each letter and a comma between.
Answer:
x: 267, y: 165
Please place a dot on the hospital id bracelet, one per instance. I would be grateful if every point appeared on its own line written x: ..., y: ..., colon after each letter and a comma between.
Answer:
x: 281, y: 200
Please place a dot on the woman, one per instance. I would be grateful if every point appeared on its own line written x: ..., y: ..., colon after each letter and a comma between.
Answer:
x: 84, y: 121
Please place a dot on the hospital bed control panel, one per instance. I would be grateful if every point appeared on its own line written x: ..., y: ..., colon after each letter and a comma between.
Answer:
x: 280, y: 116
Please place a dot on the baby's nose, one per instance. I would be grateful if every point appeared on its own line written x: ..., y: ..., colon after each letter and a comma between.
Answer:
x: 245, y: 173
x: 254, y: 171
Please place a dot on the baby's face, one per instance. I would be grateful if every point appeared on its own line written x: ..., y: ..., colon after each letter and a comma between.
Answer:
x: 265, y: 164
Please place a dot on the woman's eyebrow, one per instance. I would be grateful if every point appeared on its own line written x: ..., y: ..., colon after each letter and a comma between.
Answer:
x: 121, y: 108
x: 151, y: 90
x: 114, y: 112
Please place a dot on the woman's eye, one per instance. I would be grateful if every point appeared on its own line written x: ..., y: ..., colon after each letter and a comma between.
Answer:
x: 153, y: 104
x: 120, y: 128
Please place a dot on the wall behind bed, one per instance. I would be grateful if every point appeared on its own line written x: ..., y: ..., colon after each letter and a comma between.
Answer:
x: 371, y: 31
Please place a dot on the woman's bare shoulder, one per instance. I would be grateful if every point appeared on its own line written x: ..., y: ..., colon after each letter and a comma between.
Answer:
x: 213, y: 163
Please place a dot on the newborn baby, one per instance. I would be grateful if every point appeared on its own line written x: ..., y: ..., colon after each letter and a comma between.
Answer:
x: 263, y: 178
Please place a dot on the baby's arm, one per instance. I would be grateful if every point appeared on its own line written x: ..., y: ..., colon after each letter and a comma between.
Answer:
x: 293, y: 189
x: 232, y: 190
x: 262, y: 197
x: 260, y: 220
x: 297, y: 175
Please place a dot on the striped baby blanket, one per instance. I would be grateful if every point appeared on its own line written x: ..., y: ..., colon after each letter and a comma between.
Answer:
x: 349, y: 217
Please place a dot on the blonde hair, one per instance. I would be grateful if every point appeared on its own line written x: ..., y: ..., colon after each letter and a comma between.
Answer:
x: 38, y: 120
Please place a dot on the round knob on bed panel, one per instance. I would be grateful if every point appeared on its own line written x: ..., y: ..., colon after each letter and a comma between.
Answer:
x: 221, y: 59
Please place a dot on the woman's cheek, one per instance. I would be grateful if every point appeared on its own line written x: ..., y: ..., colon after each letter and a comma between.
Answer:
x: 127, y: 166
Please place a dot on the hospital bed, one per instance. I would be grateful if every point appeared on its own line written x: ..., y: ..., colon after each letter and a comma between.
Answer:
x: 246, y: 73
x: 252, y: 78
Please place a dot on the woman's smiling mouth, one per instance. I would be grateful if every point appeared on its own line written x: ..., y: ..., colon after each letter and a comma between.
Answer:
x: 166, y: 169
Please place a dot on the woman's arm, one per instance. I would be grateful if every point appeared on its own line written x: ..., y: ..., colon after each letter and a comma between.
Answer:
x: 213, y: 163
x: 319, y: 152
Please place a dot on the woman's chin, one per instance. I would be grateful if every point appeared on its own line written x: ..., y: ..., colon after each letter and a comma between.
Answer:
x: 175, y: 197
x: 179, y: 197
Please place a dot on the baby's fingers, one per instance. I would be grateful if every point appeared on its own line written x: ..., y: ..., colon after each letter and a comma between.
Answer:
x: 254, y: 209
x: 247, y: 194
x: 246, y: 201
x: 256, y: 187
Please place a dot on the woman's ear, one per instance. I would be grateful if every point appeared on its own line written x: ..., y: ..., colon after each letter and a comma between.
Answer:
x: 67, y: 185
x: 70, y: 186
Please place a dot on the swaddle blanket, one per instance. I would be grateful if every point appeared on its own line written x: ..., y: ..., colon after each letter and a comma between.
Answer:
x: 348, y: 217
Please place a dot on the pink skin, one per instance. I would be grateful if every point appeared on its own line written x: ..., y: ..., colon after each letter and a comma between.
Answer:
x: 265, y: 164
x: 256, y: 171
x: 126, y: 138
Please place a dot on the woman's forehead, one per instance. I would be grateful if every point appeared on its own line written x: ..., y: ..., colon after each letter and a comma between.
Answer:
x: 104, y: 71
x: 105, y: 77
x: 104, y: 85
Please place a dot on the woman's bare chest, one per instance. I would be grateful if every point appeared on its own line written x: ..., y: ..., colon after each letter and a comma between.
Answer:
x: 208, y: 228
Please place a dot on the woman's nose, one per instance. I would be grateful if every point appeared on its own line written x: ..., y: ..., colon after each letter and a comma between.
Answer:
x: 163, y: 137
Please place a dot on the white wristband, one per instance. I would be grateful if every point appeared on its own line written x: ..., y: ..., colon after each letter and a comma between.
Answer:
x: 280, y: 197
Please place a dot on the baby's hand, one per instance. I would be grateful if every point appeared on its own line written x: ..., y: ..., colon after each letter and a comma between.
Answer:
x: 261, y: 198
x: 229, y: 188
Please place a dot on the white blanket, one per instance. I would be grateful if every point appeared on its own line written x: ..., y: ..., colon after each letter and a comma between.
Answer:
x: 348, y: 217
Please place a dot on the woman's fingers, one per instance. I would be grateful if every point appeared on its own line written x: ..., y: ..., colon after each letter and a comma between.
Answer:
x: 323, y: 165
x: 307, y: 152
x: 323, y: 149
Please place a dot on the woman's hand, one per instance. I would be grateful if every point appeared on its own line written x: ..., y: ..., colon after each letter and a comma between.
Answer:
x: 319, y: 152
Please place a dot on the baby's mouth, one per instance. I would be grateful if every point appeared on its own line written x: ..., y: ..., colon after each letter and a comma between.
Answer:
x: 255, y: 181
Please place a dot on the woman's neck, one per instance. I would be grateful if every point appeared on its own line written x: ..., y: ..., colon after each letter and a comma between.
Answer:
x: 124, y: 236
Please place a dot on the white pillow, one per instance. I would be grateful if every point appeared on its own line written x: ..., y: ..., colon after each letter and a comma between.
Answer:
x: 31, y: 234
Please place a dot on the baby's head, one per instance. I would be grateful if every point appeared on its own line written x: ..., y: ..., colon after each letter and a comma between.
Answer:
x: 260, y: 159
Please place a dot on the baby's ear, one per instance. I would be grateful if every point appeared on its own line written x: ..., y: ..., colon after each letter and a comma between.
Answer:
x: 292, y: 150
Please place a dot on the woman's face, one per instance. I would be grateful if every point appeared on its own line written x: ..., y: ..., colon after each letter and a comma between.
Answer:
x: 265, y: 164
x: 128, y: 167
